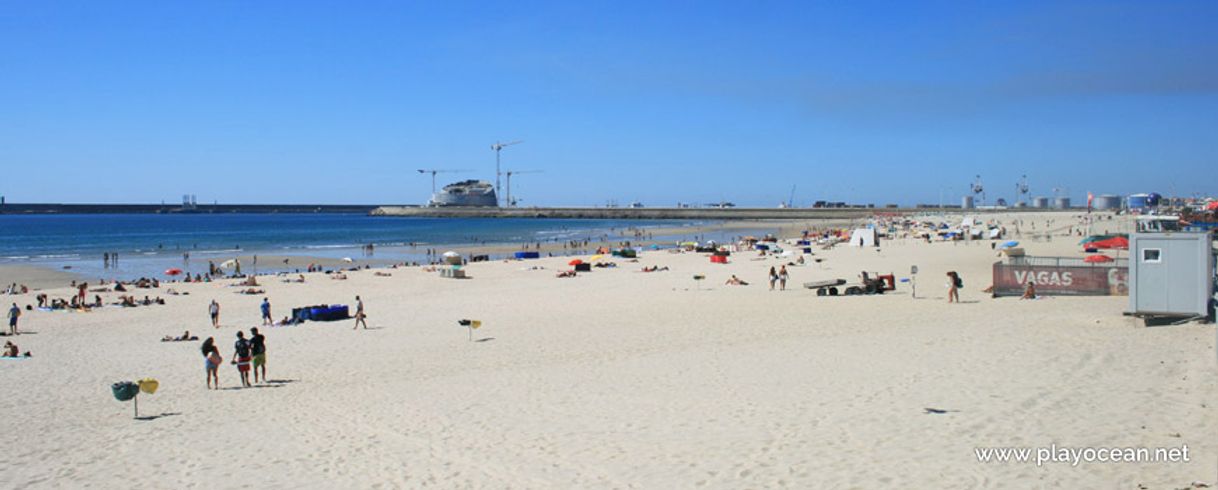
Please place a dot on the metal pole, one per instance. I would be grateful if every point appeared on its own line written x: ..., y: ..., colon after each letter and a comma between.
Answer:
x: 498, y: 148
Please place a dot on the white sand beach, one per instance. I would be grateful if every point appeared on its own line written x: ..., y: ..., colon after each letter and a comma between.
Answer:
x: 618, y: 379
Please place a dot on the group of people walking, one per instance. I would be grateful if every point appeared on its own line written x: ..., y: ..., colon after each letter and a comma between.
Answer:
x: 248, y: 355
x: 779, y: 276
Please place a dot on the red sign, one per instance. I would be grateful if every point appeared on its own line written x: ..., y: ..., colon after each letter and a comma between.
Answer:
x: 1090, y: 280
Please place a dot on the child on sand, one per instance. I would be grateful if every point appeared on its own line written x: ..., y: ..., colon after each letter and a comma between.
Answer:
x: 953, y: 287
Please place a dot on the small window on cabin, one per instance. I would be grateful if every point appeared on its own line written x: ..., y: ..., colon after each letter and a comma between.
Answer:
x: 1152, y: 255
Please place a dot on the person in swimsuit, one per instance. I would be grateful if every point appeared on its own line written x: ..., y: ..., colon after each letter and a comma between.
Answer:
x: 782, y: 278
x: 214, y: 310
x: 13, y: 314
x: 359, y: 314
x: 258, y: 349
x: 241, y: 358
x: 211, y: 361
x: 773, y: 278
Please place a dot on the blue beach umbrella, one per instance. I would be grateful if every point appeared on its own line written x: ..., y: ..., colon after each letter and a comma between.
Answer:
x: 1009, y: 244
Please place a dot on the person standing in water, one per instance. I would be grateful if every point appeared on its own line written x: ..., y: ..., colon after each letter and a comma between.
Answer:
x: 359, y: 314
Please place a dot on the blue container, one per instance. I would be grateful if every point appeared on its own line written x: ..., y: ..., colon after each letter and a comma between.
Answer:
x: 528, y: 255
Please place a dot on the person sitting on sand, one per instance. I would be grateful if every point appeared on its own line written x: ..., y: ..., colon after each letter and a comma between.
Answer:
x: 735, y: 281
x: 338, y: 276
x: 1029, y: 292
x: 250, y: 281
x: 11, y: 350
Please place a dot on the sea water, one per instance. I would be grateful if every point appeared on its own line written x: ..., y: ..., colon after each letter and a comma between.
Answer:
x: 148, y: 244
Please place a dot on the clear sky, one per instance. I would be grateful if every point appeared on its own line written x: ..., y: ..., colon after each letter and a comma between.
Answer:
x: 340, y: 102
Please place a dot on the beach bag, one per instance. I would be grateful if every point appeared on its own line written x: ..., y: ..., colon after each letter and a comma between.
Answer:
x: 959, y: 282
x: 125, y: 390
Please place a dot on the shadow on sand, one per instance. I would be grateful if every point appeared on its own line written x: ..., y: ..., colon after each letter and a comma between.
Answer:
x: 154, y: 417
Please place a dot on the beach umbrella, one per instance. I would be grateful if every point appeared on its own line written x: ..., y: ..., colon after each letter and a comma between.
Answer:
x: 1096, y: 259
x: 1212, y: 206
x: 1009, y: 244
x: 1114, y: 243
x: 575, y: 262
x: 173, y: 272
x: 451, y: 253
x: 596, y: 257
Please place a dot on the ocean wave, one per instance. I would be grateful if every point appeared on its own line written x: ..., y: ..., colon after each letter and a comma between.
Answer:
x: 57, y: 256
x: 214, y: 252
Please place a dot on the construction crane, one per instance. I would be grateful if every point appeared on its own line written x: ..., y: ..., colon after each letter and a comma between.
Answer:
x: 499, y: 147
x: 1021, y: 190
x: 791, y: 200
x: 434, y: 171
x: 509, y: 174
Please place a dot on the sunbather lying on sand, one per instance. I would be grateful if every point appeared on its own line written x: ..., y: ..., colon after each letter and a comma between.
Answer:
x: 735, y: 281
x: 252, y: 291
x: 382, y: 274
x: 655, y: 268
x: 338, y: 277
x: 566, y: 274
x: 184, y: 337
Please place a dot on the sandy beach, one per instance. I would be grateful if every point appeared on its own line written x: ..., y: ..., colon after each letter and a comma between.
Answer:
x: 618, y: 379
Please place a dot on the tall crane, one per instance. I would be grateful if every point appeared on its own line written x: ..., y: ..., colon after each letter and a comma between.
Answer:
x: 509, y: 175
x: 1021, y: 190
x: 499, y: 147
x: 434, y: 171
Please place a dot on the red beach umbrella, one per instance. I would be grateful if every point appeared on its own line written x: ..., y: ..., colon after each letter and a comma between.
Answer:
x: 173, y: 272
x: 575, y: 262
x: 1096, y: 259
x: 1114, y: 243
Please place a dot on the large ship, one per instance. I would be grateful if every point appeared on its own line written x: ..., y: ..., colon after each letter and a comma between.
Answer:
x: 467, y: 193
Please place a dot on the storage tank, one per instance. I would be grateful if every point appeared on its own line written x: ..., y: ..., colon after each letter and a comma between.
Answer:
x: 967, y: 202
x: 1061, y: 203
x: 1040, y: 202
x: 1107, y: 201
x: 1139, y: 201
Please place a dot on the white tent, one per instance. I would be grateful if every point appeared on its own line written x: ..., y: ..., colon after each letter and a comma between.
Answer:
x: 863, y: 237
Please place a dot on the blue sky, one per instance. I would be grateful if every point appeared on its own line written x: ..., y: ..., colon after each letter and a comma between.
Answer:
x: 340, y: 102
